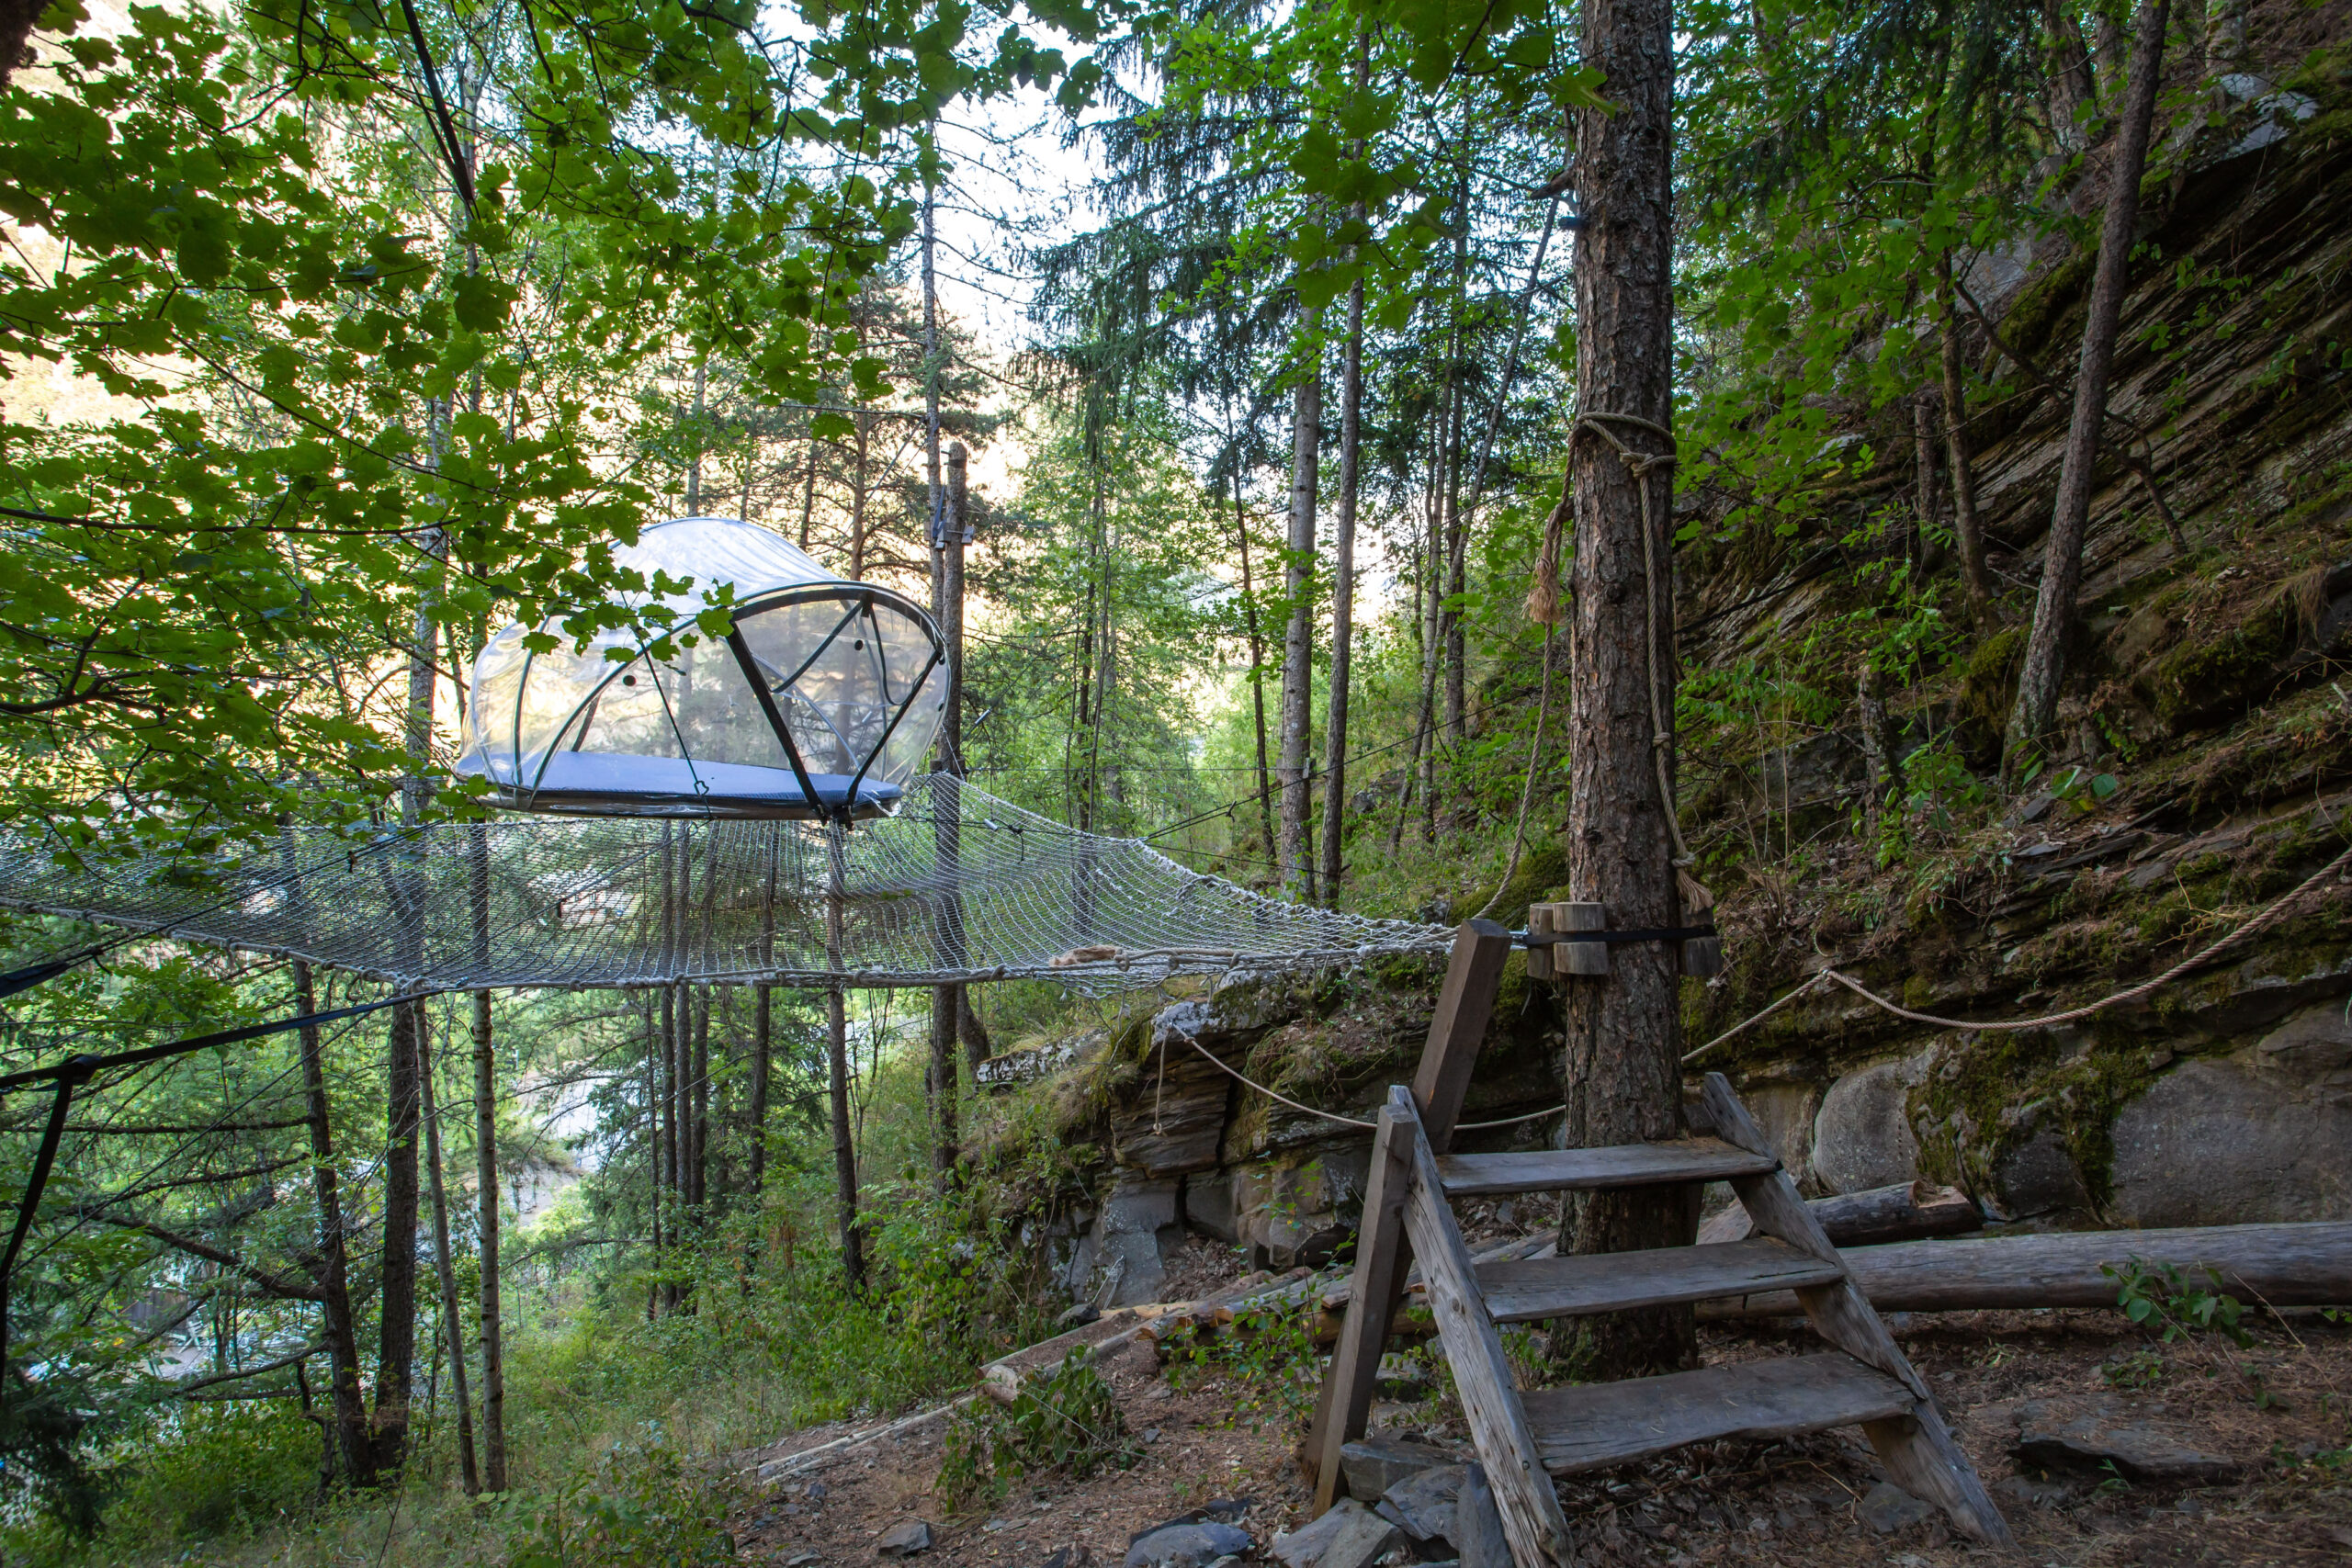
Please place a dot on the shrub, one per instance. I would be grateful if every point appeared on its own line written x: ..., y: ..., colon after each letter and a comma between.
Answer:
x: 1064, y: 1420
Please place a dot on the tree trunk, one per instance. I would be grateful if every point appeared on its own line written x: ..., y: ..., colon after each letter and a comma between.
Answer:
x: 1923, y: 463
x: 494, y: 1350
x: 1257, y: 660
x: 1967, y: 527
x: 694, y: 463
x: 971, y: 1031
x: 1298, y: 641
x: 334, y: 1269
x: 665, y: 1185
x: 1344, y: 599
x: 2072, y: 94
x: 2045, y: 667
x: 1624, y: 1032
x: 947, y: 1004
x: 698, y: 1169
x: 762, y: 1054
x: 837, y: 1066
x: 396, y: 1336
x: 1458, y: 648
x: 452, y: 1319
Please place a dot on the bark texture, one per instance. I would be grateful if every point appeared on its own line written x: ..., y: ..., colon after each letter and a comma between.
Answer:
x: 494, y: 1351
x: 452, y: 1320
x: 396, y: 1339
x: 1298, y: 641
x: 1344, y: 599
x: 1967, y: 527
x: 1624, y: 1038
x: 334, y: 1271
x: 2044, y: 668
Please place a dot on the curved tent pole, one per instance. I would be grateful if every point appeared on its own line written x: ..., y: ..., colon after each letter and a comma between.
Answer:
x: 750, y: 668
x: 937, y: 654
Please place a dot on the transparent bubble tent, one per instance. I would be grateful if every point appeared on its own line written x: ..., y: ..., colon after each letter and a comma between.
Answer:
x: 821, y: 705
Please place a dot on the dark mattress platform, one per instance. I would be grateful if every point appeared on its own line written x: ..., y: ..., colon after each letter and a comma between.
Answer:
x: 608, y: 783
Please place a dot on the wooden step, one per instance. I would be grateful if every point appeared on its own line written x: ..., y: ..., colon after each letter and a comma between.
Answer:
x: 1529, y: 1291
x: 1600, y: 1425
x: 1625, y: 1165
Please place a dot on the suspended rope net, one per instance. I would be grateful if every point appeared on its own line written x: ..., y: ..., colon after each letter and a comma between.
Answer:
x: 956, y: 885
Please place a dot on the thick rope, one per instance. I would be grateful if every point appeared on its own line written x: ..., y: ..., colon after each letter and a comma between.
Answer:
x: 1527, y: 786
x: 1239, y: 1077
x: 2269, y: 916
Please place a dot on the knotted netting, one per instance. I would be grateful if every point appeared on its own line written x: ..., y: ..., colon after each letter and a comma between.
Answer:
x: 958, y: 885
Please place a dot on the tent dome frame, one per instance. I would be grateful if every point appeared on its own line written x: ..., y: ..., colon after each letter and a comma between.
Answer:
x: 603, y: 783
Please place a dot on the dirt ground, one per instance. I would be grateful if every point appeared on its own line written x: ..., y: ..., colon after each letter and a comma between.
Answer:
x: 1777, y: 1504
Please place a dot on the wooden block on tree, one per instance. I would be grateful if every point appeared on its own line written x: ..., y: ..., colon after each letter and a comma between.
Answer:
x: 1539, y: 956
x: 1582, y: 958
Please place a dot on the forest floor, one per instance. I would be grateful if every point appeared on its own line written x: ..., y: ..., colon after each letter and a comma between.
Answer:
x: 1795, y: 1503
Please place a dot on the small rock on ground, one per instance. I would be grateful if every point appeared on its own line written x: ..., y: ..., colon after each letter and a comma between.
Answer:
x: 1423, y: 1503
x: 1886, y: 1508
x: 2055, y: 1437
x: 1188, y: 1546
x: 904, y: 1539
x: 1349, y: 1536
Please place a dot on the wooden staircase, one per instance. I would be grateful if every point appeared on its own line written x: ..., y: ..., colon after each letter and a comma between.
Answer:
x: 1523, y: 1440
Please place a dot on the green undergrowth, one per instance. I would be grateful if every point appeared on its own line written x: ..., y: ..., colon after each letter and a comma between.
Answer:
x: 1064, y: 1421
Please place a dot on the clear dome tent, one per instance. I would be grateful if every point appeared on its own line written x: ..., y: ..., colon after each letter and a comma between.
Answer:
x: 819, y: 704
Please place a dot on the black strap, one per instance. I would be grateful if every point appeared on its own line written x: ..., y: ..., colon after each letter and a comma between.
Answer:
x: 75, y: 1071
x: 80, y: 1068
x: 32, y: 974
x: 1638, y: 933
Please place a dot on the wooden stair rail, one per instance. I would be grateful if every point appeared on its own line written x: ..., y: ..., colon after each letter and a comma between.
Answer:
x: 1465, y: 1004
x: 1523, y: 1440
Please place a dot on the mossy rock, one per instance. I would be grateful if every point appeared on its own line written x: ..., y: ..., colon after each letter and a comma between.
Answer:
x: 1988, y: 689
x: 2214, y: 680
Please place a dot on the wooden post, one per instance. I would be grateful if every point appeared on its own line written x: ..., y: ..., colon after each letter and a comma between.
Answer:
x: 1539, y: 956
x: 1533, y: 1523
x: 1465, y: 1004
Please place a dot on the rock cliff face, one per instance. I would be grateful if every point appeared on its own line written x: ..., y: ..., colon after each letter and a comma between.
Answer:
x: 2209, y: 692
x: 2210, y: 688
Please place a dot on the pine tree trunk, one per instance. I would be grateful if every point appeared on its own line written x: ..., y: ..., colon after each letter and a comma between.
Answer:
x: 1298, y: 641
x: 493, y: 1350
x: 1967, y: 527
x: 971, y: 1031
x: 762, y: 1055
x: 334, y: 1268
x: 452, y: 1319
x: 1257, y: 664
x: 396, y: 1335
x: 1624, y: 1032
x: 1343, y: 600
x: 2044, y: 668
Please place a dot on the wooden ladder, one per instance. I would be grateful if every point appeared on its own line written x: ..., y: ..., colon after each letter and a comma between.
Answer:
x: 1524, y: 1439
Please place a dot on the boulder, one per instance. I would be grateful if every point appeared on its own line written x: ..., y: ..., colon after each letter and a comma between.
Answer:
x: 2039, y: 1178
x: 1423, y: 1503
x: 1373, y: 1465
x: 2108, y: 1439
x: 2261, y: 1136
x: 1188, y: 1545
x: 1297, y: 1209
x: 1478, y: 1523
x: 904, y: 1539
x: 1861, y: 1135
x: 1172, y: 1119
x: 1785, y: 1112
x: 1122, y: 1259
x: 1208, y: 1205
x: 1349, y: 1536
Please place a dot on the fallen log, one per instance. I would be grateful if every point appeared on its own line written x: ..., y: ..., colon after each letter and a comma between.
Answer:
x: 2306, y: 1264
x: 1909, y: 1211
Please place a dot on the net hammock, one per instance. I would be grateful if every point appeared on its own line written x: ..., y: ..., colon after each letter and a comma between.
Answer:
x: 956, y: 885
